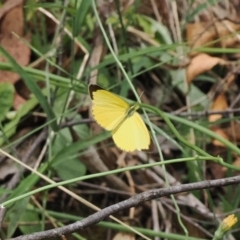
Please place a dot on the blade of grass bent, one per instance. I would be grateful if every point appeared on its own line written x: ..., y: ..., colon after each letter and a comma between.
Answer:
x: 33, y: 87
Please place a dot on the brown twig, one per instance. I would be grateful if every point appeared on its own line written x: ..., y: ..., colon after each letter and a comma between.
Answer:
x: 131, y: 202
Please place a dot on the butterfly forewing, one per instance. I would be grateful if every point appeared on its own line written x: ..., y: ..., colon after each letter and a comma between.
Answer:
x: 108, y: 109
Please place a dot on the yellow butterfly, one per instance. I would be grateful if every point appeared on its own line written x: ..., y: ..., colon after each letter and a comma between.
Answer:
x: 129, y: 132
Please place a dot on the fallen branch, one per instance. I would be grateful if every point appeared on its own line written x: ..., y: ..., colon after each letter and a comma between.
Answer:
x: 131, y: 202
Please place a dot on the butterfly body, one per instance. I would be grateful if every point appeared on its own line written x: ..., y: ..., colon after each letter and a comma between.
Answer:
x: 114, y: 114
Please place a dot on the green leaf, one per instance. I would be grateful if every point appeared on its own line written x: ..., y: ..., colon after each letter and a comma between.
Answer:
x: 60, y: 102
x: 4, y: 190
x: 15, y: 215
x: 154, y: 28
x: 6, y: 99
x: 74, y: 148
x: 70, y: 168
x: 10, y: 128
x: 30, y: 217
x: 193, y: 92
x: 63, y: 139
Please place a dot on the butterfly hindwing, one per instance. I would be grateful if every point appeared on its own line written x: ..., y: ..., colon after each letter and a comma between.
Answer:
x: 132, y: 134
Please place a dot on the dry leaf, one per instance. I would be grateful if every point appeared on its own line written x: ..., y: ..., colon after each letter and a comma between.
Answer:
x: 221, y: 133
x: 219, y: 104
x: 18, y: 101
x: 236, y: 163
x: 8, y: 5
x: 200, y: 64
x: 124, y: 236
x: 13, y: 21
x: 230, y: 133
x: 201, y: 33
x: 217, y: 170
x: 233, y: 131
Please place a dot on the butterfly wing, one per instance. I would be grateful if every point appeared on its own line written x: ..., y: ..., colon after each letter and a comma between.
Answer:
x: 109, y: 110
x: 132, y: 134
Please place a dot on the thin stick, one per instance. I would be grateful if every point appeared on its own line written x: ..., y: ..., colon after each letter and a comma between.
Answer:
x: 126, y: 204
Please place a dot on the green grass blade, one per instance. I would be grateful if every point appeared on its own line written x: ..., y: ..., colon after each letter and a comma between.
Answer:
x: 33, y: 87
x: 80, y: 16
